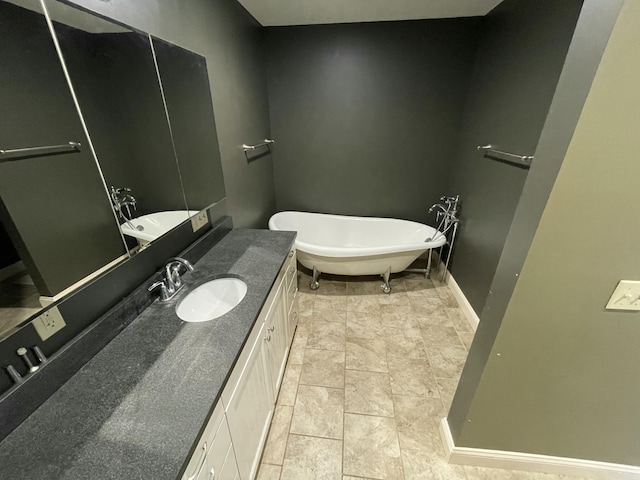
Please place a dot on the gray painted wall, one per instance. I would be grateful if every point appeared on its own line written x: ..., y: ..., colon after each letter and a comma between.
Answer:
x: 517, y: 66
x: 230, y: 39
x: 561, y: 378
x: 590, y: 38
x: 366, y: 116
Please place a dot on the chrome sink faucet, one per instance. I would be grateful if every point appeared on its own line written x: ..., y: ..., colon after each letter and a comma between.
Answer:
x: 172, y: 273
x: 172, y: 281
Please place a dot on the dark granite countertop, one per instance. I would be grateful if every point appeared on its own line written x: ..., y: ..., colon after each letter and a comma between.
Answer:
x: 137, y: 408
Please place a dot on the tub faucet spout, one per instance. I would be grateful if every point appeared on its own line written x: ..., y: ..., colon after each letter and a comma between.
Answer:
x: 437, y: 206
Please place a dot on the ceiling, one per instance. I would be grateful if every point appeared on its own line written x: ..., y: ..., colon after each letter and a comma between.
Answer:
x: 306, y: 12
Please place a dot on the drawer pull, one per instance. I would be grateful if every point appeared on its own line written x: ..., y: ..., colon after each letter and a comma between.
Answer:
x: 212, y: 473
x: 271, y: 328
x: 268, y: 338
x: 201, y: 462
x: 291, y: 254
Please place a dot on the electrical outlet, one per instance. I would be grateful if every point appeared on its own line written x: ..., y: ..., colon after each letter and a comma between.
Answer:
x: 199, y: 220
x: 49, y: 323
x: 626, y: 296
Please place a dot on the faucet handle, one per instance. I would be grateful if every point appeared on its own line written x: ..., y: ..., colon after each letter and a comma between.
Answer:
x: 172, y: 273
x: 164, y: 291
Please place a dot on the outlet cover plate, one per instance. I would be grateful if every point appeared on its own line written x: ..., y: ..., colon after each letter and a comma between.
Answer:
x: 49, y: 323
x: 626, y: 296
x: 199, y: 220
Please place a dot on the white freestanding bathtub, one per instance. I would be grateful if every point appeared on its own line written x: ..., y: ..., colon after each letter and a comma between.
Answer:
x: 345, y: 245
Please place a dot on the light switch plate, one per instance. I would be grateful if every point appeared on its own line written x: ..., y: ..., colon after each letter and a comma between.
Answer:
x: 626, y: 296
x: 49, y: 323
x: 199, y: 220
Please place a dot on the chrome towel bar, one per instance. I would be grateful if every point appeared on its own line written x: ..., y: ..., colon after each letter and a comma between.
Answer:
x: 519, y: 160
x: 267, y: 141
x: 16, y: 153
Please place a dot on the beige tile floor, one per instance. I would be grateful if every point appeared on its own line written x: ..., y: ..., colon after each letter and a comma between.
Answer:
x: 368, y: 379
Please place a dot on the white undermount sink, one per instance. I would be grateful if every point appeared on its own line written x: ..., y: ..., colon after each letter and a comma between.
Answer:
x: 212, y: 299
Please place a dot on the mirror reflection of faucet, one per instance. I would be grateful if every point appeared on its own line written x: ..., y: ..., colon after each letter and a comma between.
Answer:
x: 122, y: 198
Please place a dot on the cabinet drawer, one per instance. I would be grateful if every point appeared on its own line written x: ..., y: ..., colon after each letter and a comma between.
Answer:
x: 198, y: 459
x: 291, y: 268
x: 217, y: 454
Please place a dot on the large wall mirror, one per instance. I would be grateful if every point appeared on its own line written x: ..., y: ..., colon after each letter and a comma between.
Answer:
x: 147, y: 160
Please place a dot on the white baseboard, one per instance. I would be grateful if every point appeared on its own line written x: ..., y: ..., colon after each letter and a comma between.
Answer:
x: 465, y: 306
x: 480, y: 457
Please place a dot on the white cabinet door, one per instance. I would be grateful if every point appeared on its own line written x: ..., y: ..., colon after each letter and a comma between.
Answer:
x: 250, y: 409
x: 229, y: 470
x: 277, y: 338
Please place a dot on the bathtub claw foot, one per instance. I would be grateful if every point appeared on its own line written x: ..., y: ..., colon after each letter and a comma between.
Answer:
x: 386, y: 288
x: 314, y: 284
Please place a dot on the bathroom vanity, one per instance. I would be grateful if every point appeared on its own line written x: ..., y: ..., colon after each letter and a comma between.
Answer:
x: 172, y: 400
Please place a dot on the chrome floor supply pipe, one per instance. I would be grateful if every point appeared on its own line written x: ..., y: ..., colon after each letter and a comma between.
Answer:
x: 447, y: 220
x: 446, y: 265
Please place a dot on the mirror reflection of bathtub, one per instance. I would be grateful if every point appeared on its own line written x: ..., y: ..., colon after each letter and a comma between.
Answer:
x: 147, y: 228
